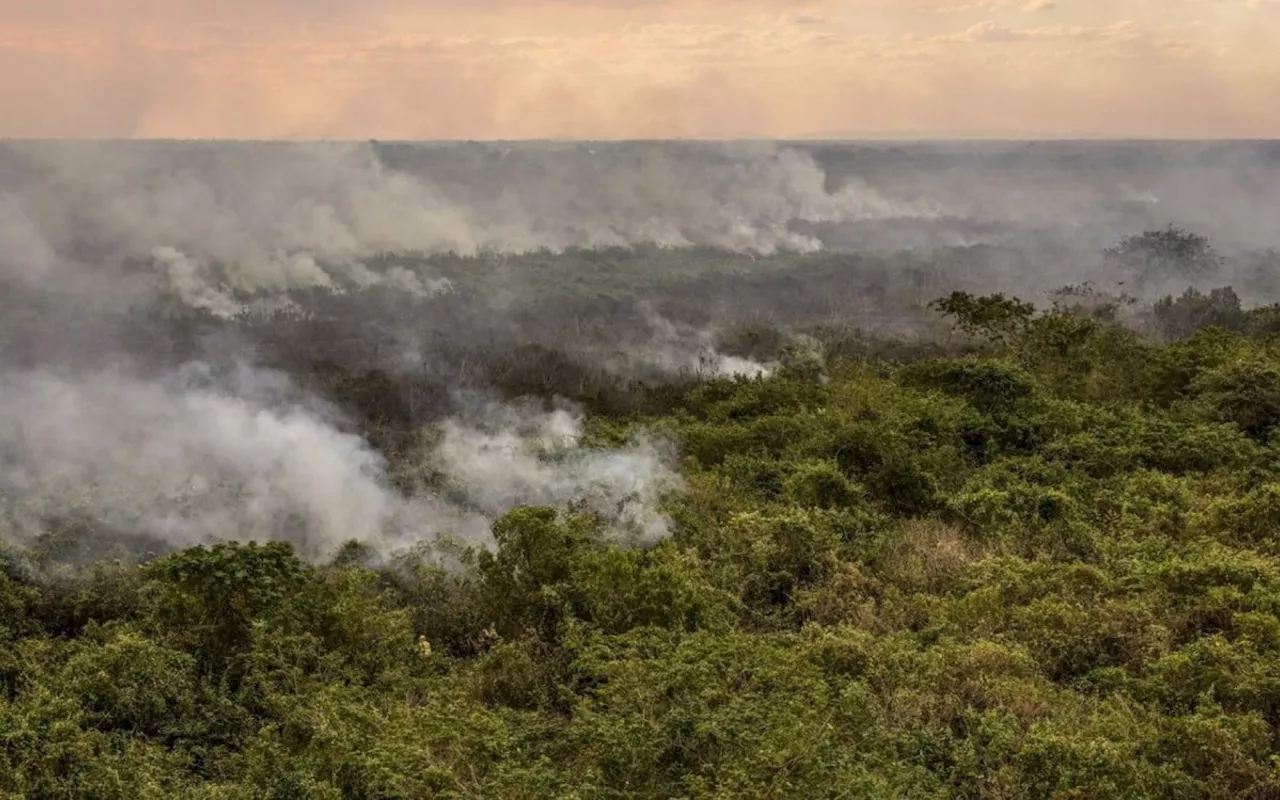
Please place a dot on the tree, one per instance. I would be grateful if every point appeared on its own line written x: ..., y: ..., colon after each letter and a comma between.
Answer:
x: 1085, y: 300
x: 527, y: 582
x: 1246, y: 393
x: 994, y: 317
x: 210, y: 597
x: 1157, y: 256
x: 1193, y: 310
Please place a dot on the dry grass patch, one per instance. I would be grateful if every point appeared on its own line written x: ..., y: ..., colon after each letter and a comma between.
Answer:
x: 929, y: 556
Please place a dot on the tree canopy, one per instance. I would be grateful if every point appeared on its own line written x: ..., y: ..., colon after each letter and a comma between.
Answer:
x: 1040, y: 564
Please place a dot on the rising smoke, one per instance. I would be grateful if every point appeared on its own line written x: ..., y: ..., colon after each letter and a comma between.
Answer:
x: 502, y: 456
x: 219, y: 221
x: 93, y: 233
x: 189, y: 459
x: 670, y: 348
x: 185, y: 460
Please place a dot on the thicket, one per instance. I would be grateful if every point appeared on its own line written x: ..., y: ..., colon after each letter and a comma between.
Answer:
x: 1043, y: 569
x: 1041, y: 565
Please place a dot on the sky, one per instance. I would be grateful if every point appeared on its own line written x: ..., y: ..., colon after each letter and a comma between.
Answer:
x: 622, y: 69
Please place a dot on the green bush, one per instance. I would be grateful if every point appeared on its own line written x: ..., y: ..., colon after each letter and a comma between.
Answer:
x: 1039, y: 565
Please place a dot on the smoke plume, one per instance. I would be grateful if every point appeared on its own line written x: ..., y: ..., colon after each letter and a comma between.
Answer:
x: 221, y: 220
x: 504, y: 456
x: 197, y: 457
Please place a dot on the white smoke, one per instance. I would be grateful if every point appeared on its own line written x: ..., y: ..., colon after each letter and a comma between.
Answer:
x: 184, y: 464
x: 247, y: 218
x: 505, y: 457
x: 198, y: 286
x: 243, y: 218
x: 673, y: 349
x: 191, y: 287
x: 189, y: 459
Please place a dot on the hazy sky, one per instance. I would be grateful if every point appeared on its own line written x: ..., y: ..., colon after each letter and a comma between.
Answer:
x: 489, y: 69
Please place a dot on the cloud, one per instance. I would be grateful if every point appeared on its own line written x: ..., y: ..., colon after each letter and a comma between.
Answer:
x: 991, y: 5
x: 988, y: 31
x: 500, y: 69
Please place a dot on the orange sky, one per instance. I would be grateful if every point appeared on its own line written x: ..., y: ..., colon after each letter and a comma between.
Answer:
x: 486, y: 69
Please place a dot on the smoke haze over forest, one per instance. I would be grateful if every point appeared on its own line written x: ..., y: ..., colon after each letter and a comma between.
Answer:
x: 125, y: 263
x: 281, y: 216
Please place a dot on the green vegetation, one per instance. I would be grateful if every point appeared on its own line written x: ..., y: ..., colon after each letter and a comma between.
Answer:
x: 1043, y: 565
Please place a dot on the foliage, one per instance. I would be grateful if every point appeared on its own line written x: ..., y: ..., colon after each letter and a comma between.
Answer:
x: 1193, y: 310
x: 1157, y: 256
x: 1046, y: 569
x: 994, y: 317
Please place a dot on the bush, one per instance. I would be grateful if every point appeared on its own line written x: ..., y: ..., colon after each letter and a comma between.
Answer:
x: 1046, y: 568
x: 992, y: 387
x: 1158, y: 256
x: 1244, y: 393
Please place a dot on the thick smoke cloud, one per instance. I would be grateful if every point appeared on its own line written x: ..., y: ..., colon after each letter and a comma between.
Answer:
x: 218, y: 220
x: 182, y: 463
x: 193, y: 458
